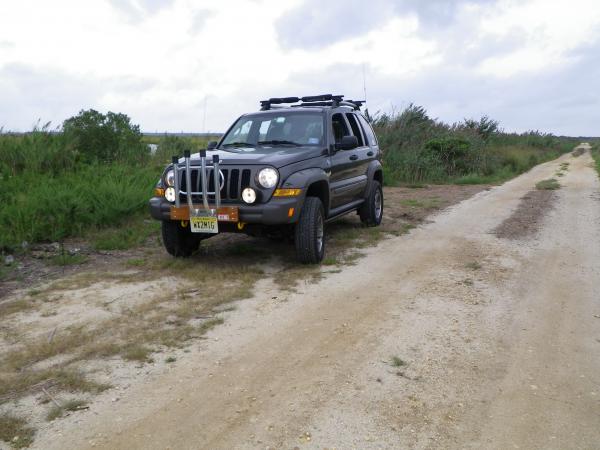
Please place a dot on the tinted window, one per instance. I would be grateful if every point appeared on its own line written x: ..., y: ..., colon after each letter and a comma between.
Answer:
x: 368, y: 130
x: 340, y: 129
x: 355, y: 129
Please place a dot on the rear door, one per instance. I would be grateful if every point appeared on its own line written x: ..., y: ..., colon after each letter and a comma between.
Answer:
x: 363, y: 154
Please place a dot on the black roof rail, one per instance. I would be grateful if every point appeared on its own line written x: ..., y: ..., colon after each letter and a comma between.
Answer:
x: 312, y: 100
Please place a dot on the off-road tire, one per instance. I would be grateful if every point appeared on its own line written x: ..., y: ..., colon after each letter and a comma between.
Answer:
x: 309, y: 233
x: 371, y: 211
x: 178, y: 240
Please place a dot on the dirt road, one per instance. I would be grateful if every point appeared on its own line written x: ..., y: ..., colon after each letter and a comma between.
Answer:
x: 448, y: 337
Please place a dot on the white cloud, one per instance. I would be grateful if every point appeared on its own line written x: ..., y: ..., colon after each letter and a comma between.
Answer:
x: 158, y: 60
x: 548, y: 32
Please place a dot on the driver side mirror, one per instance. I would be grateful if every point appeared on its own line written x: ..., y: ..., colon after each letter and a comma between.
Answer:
x: 211, y: 145
x: 347, y: 143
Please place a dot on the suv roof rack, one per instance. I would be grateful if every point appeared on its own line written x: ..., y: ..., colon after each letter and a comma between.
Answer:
x: 311, y: 100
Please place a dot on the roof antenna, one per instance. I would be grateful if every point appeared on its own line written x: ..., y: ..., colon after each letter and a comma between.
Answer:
x: 204, y: 118
x: 364, y: 82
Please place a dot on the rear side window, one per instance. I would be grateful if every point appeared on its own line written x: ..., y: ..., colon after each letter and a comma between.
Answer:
x: 355, y: 129
x: 368, y: 130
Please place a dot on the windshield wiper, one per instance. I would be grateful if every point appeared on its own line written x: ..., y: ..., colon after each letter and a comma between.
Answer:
x: 238, y: 144
x: 277, y: 142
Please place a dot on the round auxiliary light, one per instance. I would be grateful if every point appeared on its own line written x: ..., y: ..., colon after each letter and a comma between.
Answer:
x: 249, y: 195
x: 170, y: 194
x: 170, y: 178
x: 268, y: 178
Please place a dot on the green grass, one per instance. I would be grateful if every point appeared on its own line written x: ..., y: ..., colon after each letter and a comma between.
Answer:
x: 41, y: 207
x: 135, y: 262
x: 549, y: 184
x: 596, y: 155
x: 133, y: 232
x: 14, y: 430
x: 427, y: 203
x: 396, y: 361
x: 66, y: 259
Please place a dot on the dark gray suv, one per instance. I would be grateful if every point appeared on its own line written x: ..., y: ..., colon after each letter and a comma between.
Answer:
x: 286, y: 170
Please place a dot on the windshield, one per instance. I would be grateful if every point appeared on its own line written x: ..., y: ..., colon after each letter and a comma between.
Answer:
x: 269, y: 130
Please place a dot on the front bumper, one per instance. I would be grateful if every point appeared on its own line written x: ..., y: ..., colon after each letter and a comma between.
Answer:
x: 275, y: 212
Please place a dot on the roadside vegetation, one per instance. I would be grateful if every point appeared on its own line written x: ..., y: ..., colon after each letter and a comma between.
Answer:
x: 596, y: 154
x: 419, y: 149
x: 96, y: 171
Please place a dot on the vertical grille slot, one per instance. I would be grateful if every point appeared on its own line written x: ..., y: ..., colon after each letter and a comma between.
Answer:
x: 245, y: 179
x: 233, y: 184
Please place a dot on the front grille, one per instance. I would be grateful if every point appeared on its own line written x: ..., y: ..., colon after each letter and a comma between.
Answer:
x: 233, y: 182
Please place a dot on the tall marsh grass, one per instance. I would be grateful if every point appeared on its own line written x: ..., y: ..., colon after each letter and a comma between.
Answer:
x: 419, y: 149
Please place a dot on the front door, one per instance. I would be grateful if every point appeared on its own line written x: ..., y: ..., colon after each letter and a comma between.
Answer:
x: 347, y: 179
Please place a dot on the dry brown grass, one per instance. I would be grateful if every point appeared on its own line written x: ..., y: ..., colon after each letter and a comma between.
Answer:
x: 69, y: 406
x: 15, y: 431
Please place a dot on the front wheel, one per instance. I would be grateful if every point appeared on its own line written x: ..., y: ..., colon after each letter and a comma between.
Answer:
x: 178, y: 240
x: 309, y: 234
x: 371, y: 211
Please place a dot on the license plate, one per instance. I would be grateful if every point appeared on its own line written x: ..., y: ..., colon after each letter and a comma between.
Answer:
x: 204, y: 223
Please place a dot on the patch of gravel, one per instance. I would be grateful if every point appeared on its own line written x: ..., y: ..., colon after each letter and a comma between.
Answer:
x: 527, y: 219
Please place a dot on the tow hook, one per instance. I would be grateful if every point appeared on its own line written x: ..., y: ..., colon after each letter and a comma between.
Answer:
x: 241, y: 225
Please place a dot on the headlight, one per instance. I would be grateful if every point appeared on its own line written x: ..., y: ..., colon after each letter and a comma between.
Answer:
x: 170, y: 178
x: 170, y: 194
x: 268, y: 178
x: 249, y: 195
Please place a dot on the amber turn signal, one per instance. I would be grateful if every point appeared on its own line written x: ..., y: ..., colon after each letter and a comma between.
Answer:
x: 287, y: 192
x: 159, y: 192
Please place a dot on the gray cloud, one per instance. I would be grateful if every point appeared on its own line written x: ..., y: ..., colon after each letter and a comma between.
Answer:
x: 315, y: 23
x: 199, y: 19
x: 561, y: 101
x: 30, y: 94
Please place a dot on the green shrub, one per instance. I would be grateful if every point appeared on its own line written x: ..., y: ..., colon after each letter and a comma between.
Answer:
x: 105, y: 138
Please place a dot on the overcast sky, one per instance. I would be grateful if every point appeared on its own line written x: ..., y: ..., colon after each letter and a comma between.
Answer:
x: 531, y: 64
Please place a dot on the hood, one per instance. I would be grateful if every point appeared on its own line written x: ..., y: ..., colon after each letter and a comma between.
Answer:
x: 270, y: 156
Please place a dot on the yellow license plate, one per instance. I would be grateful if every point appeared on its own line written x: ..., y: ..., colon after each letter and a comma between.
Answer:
x: 204, y: 224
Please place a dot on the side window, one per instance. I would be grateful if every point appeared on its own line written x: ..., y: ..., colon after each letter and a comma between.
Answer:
x: 355, y: 129
x: 240, y: 132
x: 370, y: 134
x: 340, y: 129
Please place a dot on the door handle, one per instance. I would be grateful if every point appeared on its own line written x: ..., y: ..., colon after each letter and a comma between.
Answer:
x: 370, y: 153
x: 353, y: 158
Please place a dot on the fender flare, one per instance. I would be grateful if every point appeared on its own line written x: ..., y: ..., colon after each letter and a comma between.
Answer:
x: 304, y: 178
x: 374, y: 168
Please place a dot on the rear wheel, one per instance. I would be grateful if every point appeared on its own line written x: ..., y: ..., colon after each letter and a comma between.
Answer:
x: 371, y: 211
x: 178, y: 240
x: 309, y: 234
